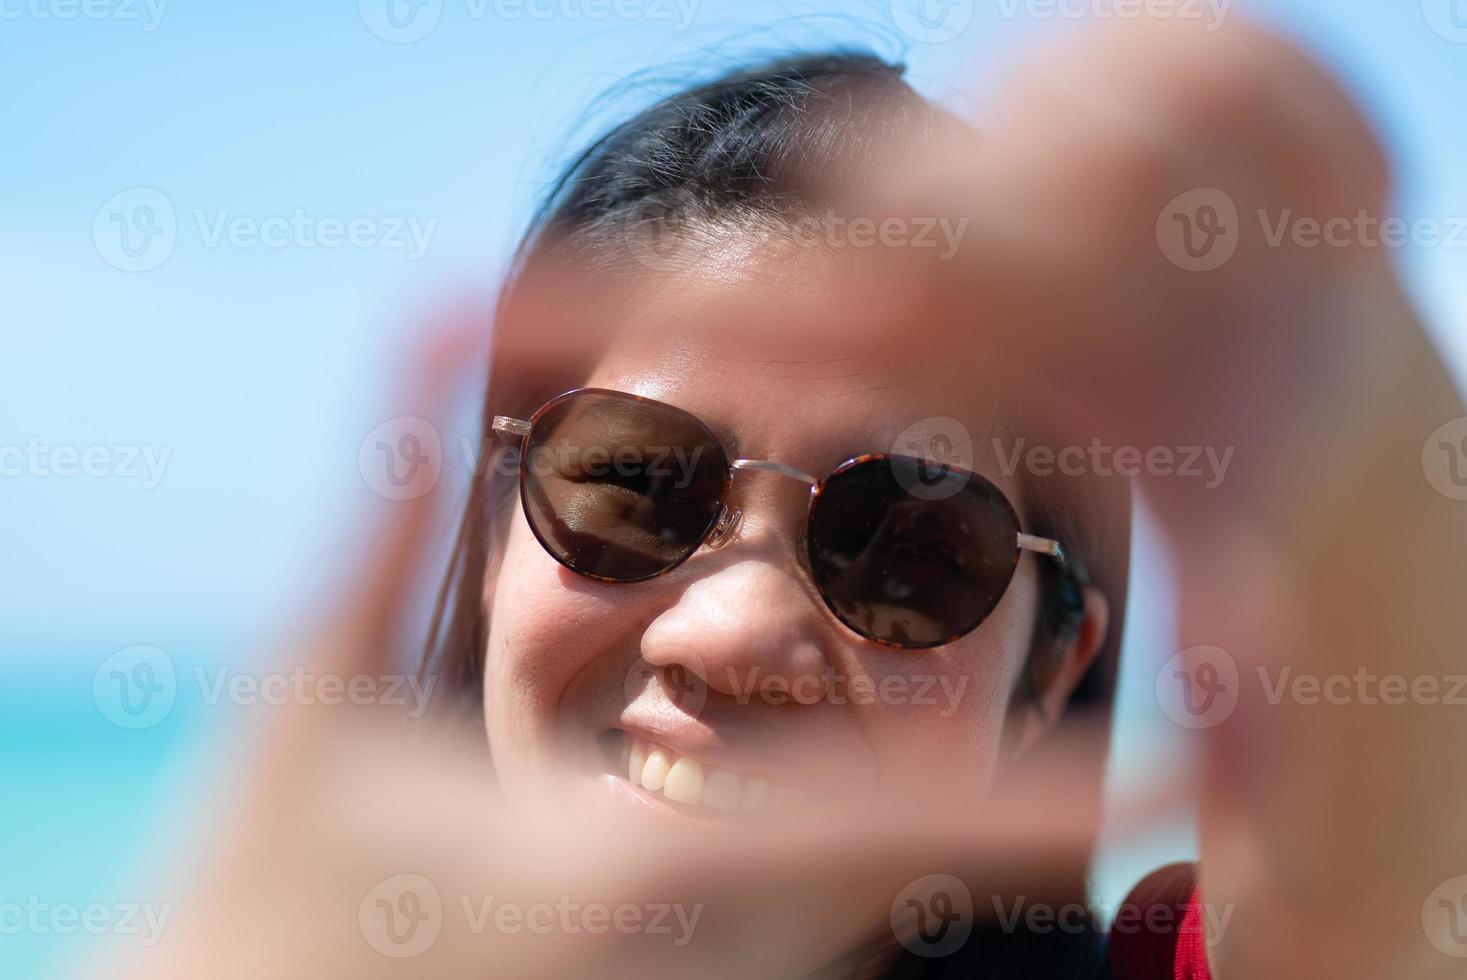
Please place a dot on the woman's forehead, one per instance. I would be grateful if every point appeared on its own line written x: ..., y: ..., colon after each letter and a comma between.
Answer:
x: 855, y: 387
x: 792, y: 337
x: 815, y: 410
x: 795, y: 315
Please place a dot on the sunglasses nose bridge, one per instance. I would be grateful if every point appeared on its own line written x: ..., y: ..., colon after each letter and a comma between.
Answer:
x: 725, y: 529
x: 772, y: 466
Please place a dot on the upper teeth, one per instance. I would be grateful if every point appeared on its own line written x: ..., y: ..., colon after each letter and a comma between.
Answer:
x: 659, y: 769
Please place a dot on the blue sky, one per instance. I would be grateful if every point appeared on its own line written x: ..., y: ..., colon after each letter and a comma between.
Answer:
x: 259, y: 369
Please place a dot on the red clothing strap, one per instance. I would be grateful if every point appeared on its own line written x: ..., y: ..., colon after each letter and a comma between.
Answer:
x: 1159, y: 932
x: 1192, y: 942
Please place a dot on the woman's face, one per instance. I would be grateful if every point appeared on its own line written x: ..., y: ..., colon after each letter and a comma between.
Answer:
x: 727, y: 683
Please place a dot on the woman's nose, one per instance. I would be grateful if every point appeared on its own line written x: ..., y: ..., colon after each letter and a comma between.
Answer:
x: 749, y: 629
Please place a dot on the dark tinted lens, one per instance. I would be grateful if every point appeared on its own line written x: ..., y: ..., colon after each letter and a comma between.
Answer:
x: 620, y: 487
x: 909, y: 552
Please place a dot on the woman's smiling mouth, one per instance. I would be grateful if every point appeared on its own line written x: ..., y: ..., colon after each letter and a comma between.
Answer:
x: 664, y: 774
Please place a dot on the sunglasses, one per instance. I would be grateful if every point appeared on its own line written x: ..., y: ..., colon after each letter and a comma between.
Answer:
x: 905, y: 552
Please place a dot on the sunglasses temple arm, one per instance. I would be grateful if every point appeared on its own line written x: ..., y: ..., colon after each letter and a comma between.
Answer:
x: 511, y: 427
x: 1043, y: 546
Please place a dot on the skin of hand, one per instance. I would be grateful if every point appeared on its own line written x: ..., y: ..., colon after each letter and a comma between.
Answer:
x: 1325, y: 551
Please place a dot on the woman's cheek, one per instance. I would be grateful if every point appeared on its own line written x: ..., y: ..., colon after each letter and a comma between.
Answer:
x: 939, y: 717
x: 935, y: 726
x: 546, y: 625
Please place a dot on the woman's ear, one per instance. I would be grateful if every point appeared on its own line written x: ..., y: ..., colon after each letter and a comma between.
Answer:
x: 1057, y: 677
